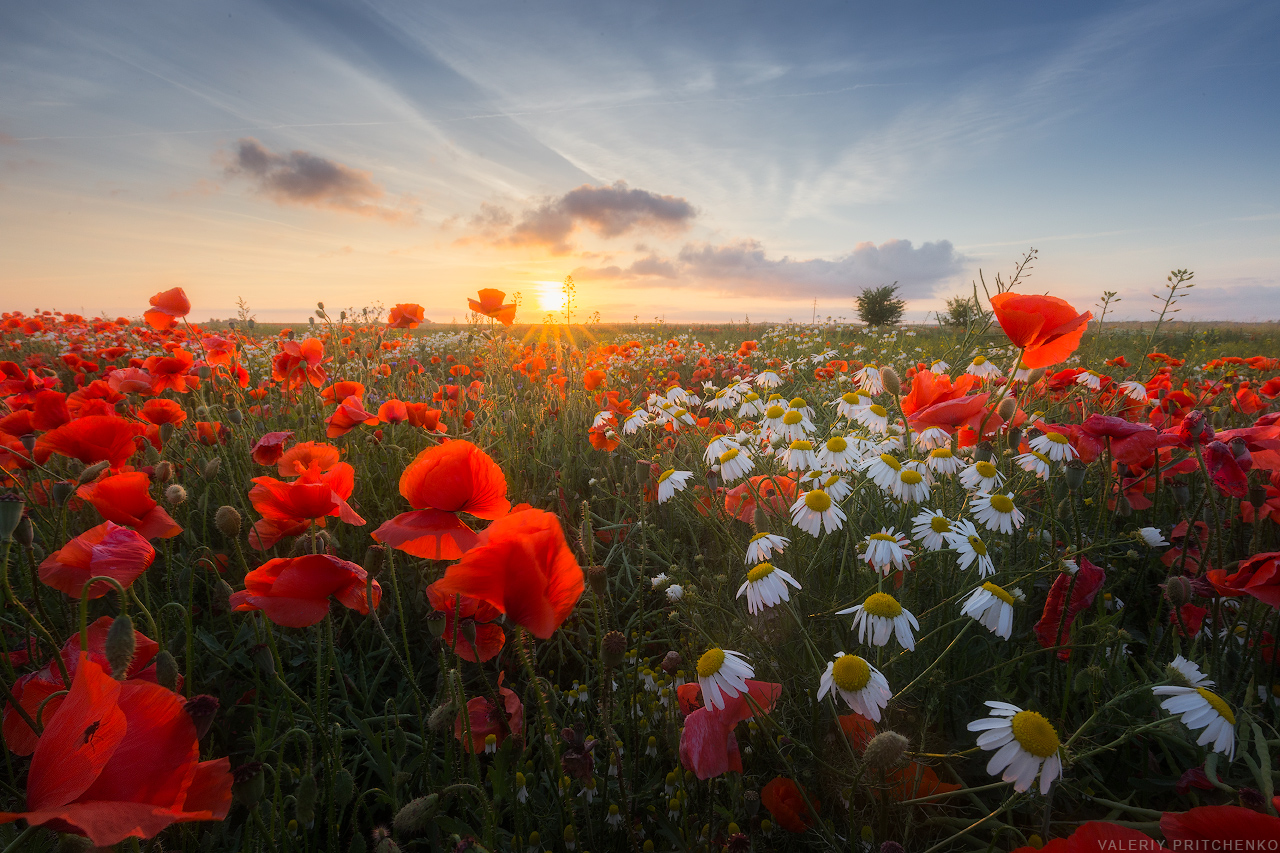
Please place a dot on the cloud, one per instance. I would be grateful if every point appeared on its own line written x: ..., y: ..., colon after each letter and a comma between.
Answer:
x: 304, y: 179
x: 649, y: 266
x: 608, y: 211
x: 6, y: 139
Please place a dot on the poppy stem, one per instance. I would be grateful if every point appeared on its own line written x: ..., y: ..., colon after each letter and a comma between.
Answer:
x: 17, y: 843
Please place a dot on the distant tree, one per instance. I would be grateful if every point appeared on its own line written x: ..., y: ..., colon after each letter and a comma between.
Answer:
x: 880, y: 306
x: 962, y: 311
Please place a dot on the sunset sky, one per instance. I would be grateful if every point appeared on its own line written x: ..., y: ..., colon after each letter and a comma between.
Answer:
x: 696, y: 161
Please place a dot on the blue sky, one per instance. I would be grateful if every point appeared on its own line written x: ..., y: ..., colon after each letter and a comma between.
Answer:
x: 695, y: 161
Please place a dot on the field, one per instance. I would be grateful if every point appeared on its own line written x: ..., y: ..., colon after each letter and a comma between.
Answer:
x: 385, y: 586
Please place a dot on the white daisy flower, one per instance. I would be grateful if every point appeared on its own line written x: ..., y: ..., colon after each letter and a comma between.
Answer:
x: 1153, y: 537
x: 799, y: 456
x: 933, y: 437
x: 798, y: 404
x: 768, y: 379
x: 1035, y: 463
x: 1025, y: 744
x: 881, y: 615
x: 1022, y: 374
x: 722, y: 673
x: 930, y: 527
x: 765, y: 586
x: 981, y: 477
x: 982, y: 368
x: 874, y: 417
x: 1055, y: 445
x: 868, y: 379
x: 992, y: 606
x: 772, y: 420
x: 939, y: 367
x: 911, y: 486
x: 1135, y: 391
x: 1200, y: 708
x: 634, y: 421
x: 1090, y: 379
x: 721, y: 401
x: 762, y: 546
x: 883, y: 470
x: 996, y: 512
x: 718, y: 445
x: 670, y: 482
x: 886, y: 549
x: 835, y: 454
x: 751, y: 406
x: 836, y: 487
x: 675, y: 592
x: 603, y: 418
x: 794, y: 425
x: 942, y: 461
x: 815, y: 510
x: 658, y: 579
x: 847, y: 405
x: 735, y: 463
x: 615, y: 816
x: 965, y: 540
x: 859, y: 683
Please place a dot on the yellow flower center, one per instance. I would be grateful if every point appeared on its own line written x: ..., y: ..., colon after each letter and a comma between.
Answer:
x: 849, y: 397
x: 757, y: 537
x: 979, y: 547
x: 1037, y: 454
x: 837, y: 444
x: 831, y: 481
x: 883, y: 537
x: 882, y: 604
x: 797, y: 402
x: 760, y: 572
x: 728, y: 455
x: 817, y: 500
x: 1215, y: 701
x: 998, y: 592
x: 802, y: 445
x: 665, y: 474
x: 878, y: 410
x: 941, y: 453
x: 774, y: 412
x: 709, y: 664
x: 792, y: 418
x: 1056, y: 437
x: 985, y: 469
x: 940, y: 524
x: 751, y: 397
x: 1035, y: 734
x: 851, y: 673
x: 911, y: 478
x: 890, y: 461
x: 1001, y: 504
x: 980, y: 360
x: 680, y: 413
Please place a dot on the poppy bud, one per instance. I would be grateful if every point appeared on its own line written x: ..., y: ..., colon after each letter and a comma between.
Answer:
x: 671, y: 663
x: 163, y: 472
x: 613, y: 649
x: 251, y: 323
x: 375, y: 556
x: 11, y: 506
x: 68, y: 843
x: 166, y: 432
x: 467, y: 631
x: 201, y: 709
x: 885, y: 751
x: 122, y: 407
x: 1181, y: 493
x: 248, y: 783
x: 166, y: 670
x: 1035, y: 376
x: 382, y: 840
x: 120, y: 645
x: 227, y: 520
x: 91, y: 473
x: 599, y: 580
x: 1075, y: 471
x: 344, y: 787
x: 25, y: 533
x: 235, y: 417
x: 586, y: 536
x: 982, y: 452
x: 1124, y: 509
x: 304, y: 804
x: 211, y: 467
x: 261, y: 655
x: 311, y: 321
x: 417, y: 815
x: 204, y: 371
x: 1007, y: 409
x: 62, y: 492
x: 441, y: 718
x: 175, y: 495
x: 889, y: 378
x: 1177, y: 590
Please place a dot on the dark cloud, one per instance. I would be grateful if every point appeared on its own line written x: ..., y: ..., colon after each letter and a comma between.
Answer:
x: 608, y: 211
x: 308, y: 180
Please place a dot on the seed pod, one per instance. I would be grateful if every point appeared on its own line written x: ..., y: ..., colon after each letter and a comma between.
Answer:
x: 166, y: 432
x: 202, y: 709
x: 1257, y: 495
x: 120, y: 645
x: 436, y: 622
x: 885, y: 751
x: 416, y: 816
x: 175, y: 495
x: 1014, y: 437
x: 614, y: 649
x: 982, y: 452
x: 166, y: 670
x: 11, y: 506
x: 25, y: 533
x: 375, y: 557
x: 235, y: 416
x: 62, y: 492
x: 1178, y: 590
x: 751, y: 803
x: 227, y: 520
x: 1181, y: 493
x: 1075, y: 474
x: 248, y: 783
x: 598, y: 577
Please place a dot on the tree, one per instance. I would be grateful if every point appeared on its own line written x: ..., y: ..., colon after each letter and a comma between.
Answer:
x: 880, y: 306
x: 962, y: 311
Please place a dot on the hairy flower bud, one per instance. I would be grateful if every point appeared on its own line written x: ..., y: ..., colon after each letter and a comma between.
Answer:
x: 175, y: 495
x: 442, y: 717
x: 1178, y: 590
x: 235, y: 417
x: 1007, y: 409
x: 261, y: 655
x: 885, y: 751
x: 415, y: 817
x: 25, y: 533
x: 1035, y: 376
x: 227, y: 520
x: 120, y: 645
x: 88, y: 475
x: 212, y: 467
x: 62, y: 492
x: 166, y: 670
x: 889, y: 378
x: 164, y: 472
x: 248, y: 783
x: 375, y: 557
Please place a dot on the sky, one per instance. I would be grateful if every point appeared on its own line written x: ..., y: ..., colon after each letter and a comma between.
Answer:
x: 706, y: 161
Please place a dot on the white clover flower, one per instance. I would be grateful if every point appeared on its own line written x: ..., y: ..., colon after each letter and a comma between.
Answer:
x: 1025, y: 743
x: 859, y: 683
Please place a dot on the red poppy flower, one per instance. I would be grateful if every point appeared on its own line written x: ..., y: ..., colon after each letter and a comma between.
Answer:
x: 1096, y: 836
x: 1131, y: 443
x: 1225, y: 470
x: 170, y: 372
x: 1046, y: 328
x: 315, y: 495
x: 300, y: 457
x: 121, y: 760
x: 471, y: 613
x: 1083, y: 585
x: 349, y: 415
x: 339, y: 391
x: 299, y: 362
x: 490, y: 305
x: 212, y: 432
x: 777, y: 494
x: 50, y: 410
x: 96, y: 438
x: 108, y: 550
x: 784, y: 800
x: 393, y: 412
x: 294, y: 591
x: 422, y: 415
x: 592, y: 379
x: 125, y: 499
x: 166, y: 308
x: 1217, y: 825
x: 160, y: 411
x: 406, y: 315
x: 1258, y: 576
x: 708, y: 745
x: 522, y: 566
x: 269, y: 448
x: 484, y: 719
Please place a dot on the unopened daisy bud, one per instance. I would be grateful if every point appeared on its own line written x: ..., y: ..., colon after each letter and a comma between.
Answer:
x: 1008, y: 407
x: 88, y: 475
x: 166, y: 670
x: 227, y: 520
x: 120, y: 645
x: 175, y: 495
x: 671, y: 663
x: 1178, y: 591
x: 248, y: 783
x: 375, y: 556
x: 201, y: 709
x: 885, y: 751
x: 598, y: 577
x: 441, y: 718
x: 416, y: 816
x: 211, y: 468
x: 613, y: 648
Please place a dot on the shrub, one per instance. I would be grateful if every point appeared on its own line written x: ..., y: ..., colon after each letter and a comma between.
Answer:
x: 880, y: 306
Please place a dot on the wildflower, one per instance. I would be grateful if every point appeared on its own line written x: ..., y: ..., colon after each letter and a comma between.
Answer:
x: 671, y: 481
x: 868, y: 379
x: 799, y: 456
x: 911, y: 485
x: 107, y: 550
x: 848, y: 404
x: 939, y: 367
x: 981, y: 477
x: 835, y: 455
x: 675, y: 592
x: 1153, y: 537
x: 125, y: 499
x: 751, y: 406
x: 708, y: 746
x: 1054, y: 626
x: 1200, y: 708
x: 634, y: 421
x: 814, y: 510
x: 982, y: 368
x: 1046, y: 328
x: 490, y: 305
x: 930, y: 527
x: 1036, y: 463
x: 887, y: 549
x: 878, y: 616
x: 735, y: 463
x: 964, y: 538
x: 992, y: 606
x: 996, y: 512
x: 485, y: 720
x: 859, y: 683
x: 836, y: 487
x: 91, y: 438
x: 932, y: 438
x: 468, y: 625
x: 875, y: 418
x: 794, y: 425
x: 615, y: 816
x: 406, y: 315
x: 1223, y: 827
x: 166, y: 308
x: 942, y: 461
x: 1055, y: 445
x: 882, y: 469
x: 768, y: 379
x: 763, y: 545
x: 290, y: 507
x: 269, y: 448
x: 784, y: 800
x: 522, y: 789
x: 722, y: 673
x: 1025, y: 743
x: 1135, y: 391
x: 1090, y: 379
x: 294, y: 591
x: 658, y: 580
x: 765, y: 586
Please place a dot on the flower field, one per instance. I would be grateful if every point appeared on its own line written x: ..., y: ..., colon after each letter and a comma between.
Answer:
x: 377, y: 586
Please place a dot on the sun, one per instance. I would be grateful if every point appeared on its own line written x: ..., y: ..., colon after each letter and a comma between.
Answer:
x: 550, y: 296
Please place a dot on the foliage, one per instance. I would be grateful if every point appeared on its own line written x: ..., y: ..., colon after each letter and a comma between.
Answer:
x: 880, y: 306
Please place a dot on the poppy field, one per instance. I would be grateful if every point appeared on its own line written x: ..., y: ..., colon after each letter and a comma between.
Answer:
x: 371, y: 584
